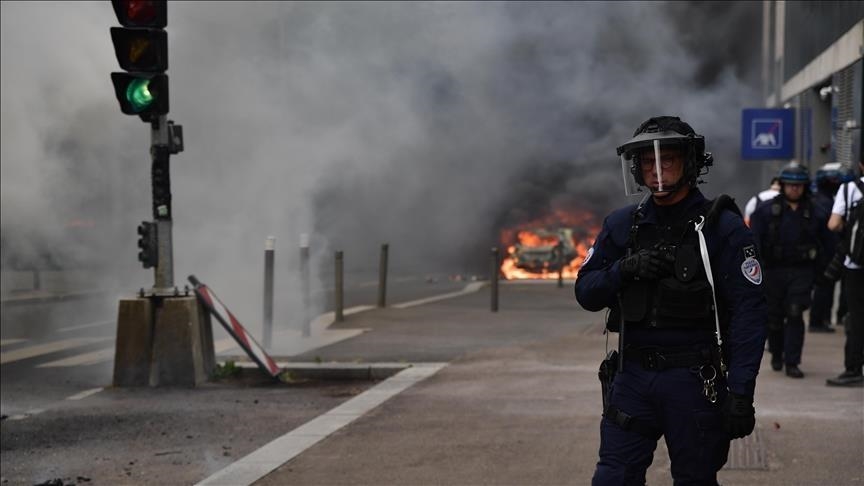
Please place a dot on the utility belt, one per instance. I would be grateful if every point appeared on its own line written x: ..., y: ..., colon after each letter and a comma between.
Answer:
x: 658, y: 359
x: 795, y: 255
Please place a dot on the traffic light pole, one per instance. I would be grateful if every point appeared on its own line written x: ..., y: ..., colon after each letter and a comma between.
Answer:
x: 160, y: 151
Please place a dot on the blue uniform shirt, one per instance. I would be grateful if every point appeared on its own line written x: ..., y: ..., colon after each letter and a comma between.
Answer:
x: 737, y: 280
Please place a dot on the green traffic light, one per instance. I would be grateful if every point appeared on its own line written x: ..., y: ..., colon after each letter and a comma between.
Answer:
x: 138, y: 94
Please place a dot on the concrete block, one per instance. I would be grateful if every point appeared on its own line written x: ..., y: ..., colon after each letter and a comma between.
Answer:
x: 134, y: 342
x: 182, y: 344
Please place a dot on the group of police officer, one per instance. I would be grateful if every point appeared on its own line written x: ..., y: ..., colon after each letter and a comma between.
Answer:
x: 692, y: 293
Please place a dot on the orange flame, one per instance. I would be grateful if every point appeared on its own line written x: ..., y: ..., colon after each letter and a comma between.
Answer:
x: 536, y: 235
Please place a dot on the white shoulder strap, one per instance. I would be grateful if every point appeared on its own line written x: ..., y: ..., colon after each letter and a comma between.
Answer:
x: 703, y: 247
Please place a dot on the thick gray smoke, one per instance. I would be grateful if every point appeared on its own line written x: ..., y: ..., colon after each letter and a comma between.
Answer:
x: 425, y: 125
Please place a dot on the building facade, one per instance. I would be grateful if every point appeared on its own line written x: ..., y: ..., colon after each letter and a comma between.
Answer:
x: 812, y: 62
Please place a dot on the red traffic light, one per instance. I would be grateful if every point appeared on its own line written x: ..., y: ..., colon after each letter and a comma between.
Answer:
x: 141, y: 13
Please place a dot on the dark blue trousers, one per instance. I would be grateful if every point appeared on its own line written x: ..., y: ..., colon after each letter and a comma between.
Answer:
x: 823, y: 301
x: 671, y: 401
x: 787, y: 290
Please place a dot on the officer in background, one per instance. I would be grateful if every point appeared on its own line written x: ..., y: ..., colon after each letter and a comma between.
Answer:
x: 847, y: 198
x: 793, y: 240
x: 828, y: 179
x: 681, y: 324
x: 758, y: 199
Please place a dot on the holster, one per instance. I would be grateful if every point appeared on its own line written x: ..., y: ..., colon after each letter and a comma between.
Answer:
x: 608, y: 369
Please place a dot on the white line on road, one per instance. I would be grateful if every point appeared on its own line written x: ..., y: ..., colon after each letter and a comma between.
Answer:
x: 36, y: 411
x: 373, y: 283
x: 84, y: 394
x: 84, y: 326
x: 6, y: 342
x: 85, y: 359
x: 261, y: 462
x: 472, y: 287
x: 28, y: 413
x: 47, y: 348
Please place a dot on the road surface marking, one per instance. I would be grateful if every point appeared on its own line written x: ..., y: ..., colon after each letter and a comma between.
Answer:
x: 47, y: 348
x: 85, y: 359
x: 261, y: 462
x: 471, y: 287
x: 84, y: 394
x: 84, y: 326
x: 6, y: 342
x: 28, y: 413
x: 374, y: 283
x: 37, y: 411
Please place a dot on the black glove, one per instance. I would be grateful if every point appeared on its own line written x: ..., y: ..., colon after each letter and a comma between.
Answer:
x: 739, y: 416
x: 647, y: 265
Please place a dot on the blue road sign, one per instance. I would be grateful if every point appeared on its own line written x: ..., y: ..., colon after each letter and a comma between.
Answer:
x: 767, y: 133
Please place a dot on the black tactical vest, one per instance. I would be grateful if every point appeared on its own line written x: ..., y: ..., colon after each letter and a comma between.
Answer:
x: 804, y: 251
x: 683, y: 300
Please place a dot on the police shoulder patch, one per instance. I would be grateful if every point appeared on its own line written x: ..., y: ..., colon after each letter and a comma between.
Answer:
x: 750, y: 267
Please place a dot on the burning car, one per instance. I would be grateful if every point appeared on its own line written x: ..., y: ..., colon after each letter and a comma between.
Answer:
x: 542, y: 247
x: 543, y: 250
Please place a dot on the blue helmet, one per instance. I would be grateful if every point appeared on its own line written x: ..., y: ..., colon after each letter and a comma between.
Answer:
x: 794, y: 173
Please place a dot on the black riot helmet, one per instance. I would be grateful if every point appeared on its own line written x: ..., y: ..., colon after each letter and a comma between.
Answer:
x: 666, y: 132
x: 794, y: 173
x: 829, y: 178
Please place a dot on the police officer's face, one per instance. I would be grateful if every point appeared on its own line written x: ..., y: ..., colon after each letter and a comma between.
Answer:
x: 671, y: 167
x: 793, y: 192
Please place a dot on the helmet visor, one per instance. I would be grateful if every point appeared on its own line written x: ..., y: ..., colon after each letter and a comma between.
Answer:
x: 646, y: 166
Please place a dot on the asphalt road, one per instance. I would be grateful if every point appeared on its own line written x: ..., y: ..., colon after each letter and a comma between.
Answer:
x: 53, y: 348
x: 517, y: 403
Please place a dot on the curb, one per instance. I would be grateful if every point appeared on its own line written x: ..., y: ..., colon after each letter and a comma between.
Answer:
x: 334, y: 370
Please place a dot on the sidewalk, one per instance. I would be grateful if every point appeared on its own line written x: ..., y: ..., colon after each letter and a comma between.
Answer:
x: 509, y: 412
x: 506, y: 398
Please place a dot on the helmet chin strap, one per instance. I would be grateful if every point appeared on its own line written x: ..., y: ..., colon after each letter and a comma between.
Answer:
x: 667, y: 190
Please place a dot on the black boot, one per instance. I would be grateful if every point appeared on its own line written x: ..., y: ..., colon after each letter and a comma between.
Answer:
x: 847, y: 378
x: 793, y: 371
x: 776, y: 363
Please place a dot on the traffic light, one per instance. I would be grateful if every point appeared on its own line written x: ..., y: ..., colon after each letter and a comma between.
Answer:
x: 147, y: 242
x: 141, y: 47
x: 141, y: 13
x: 141, y: 95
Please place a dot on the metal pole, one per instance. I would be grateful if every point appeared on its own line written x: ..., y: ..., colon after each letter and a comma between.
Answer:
x: 304, y: 276
x: 559, y: 257
x: 163, y: 273
x: 382, y: 277
x: 338, y: 295
x: 269, y: 257
x: 493, y: 276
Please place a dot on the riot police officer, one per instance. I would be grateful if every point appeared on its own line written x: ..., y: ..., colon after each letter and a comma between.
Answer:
x: 792, y: 234
x: 828, y: 180
x: 681, y: 277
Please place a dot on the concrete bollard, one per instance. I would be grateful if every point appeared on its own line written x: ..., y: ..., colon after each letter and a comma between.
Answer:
x: 493, y: 279
x: 269, y: 257
x: 306, y: 284
x: 338, y: 291
x: 382, y: 276
x: 183, y: 353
